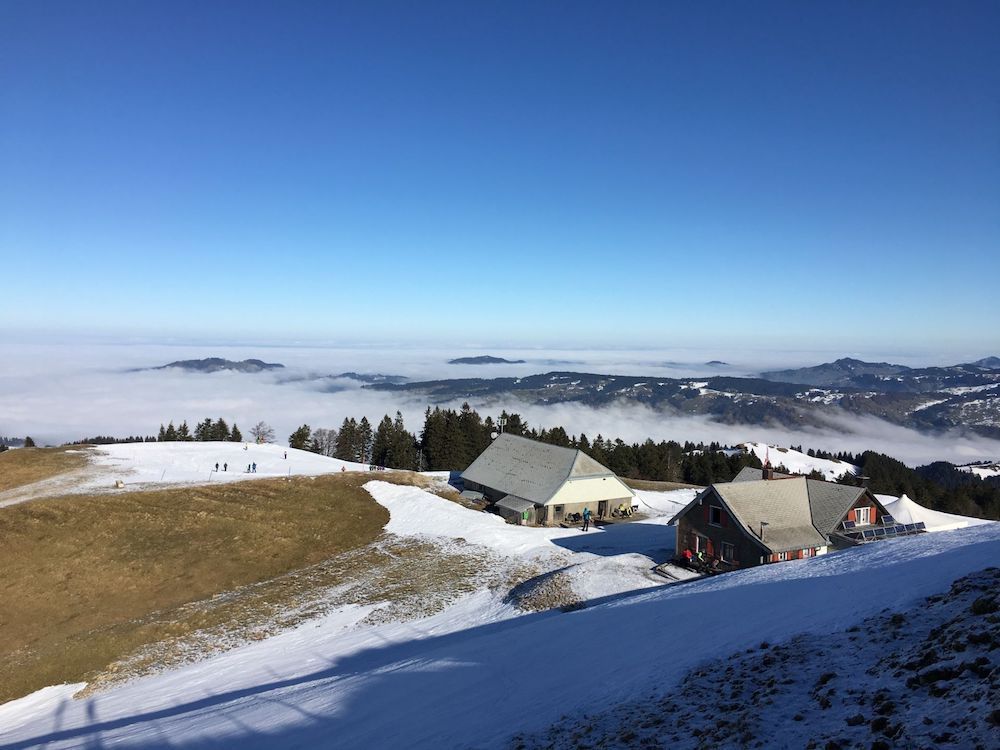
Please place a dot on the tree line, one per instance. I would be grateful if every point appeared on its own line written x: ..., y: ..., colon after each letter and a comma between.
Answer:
x: 204, y: 431
x: 452, y: 439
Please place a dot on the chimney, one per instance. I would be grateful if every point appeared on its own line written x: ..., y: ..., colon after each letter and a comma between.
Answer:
x: 768, y: 472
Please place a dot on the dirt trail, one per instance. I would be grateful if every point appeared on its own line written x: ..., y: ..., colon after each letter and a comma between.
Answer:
x: 90, y: 479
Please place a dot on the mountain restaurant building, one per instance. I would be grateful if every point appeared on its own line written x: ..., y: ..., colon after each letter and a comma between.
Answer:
x: 745, y: 523
x: 529, y: 482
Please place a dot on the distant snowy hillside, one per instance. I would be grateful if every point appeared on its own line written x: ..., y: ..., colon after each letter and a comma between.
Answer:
x: 984, y: 470
x: 482, y: 670
x: 800, y: 463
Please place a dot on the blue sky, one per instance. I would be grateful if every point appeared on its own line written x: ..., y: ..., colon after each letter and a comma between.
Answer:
x: 592, y: 174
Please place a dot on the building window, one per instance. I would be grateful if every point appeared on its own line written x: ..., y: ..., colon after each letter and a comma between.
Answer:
x: 557, y: 510
x: 714, y: 515
x: 782, y: 556
x: 863, y: 516
x: 728, y: 552
x: 700, y: 544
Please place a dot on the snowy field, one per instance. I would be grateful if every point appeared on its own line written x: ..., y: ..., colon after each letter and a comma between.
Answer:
x: 143, y: 464
x: 482, y: 669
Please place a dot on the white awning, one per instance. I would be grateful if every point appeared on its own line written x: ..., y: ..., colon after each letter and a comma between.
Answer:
x: 515, y: 503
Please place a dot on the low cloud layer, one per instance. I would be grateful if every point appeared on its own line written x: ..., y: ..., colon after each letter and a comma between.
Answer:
x: 62, y: 393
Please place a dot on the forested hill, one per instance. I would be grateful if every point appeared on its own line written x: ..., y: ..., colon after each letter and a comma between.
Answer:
x: 928, y: 400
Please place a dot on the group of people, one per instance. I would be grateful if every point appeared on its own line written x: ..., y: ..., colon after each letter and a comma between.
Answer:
x: 699, y: 560
x: 251, y: 467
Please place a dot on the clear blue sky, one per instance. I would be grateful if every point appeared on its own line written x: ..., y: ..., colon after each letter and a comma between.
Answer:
x: 525, y: 173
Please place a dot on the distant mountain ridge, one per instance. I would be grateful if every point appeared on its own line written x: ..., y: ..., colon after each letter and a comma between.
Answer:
x: 485, y: 359
x: 844, y: 371
x: 218, y: 364
x: 930, y: 399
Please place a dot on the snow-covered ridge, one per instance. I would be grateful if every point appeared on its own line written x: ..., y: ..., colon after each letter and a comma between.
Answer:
x: 800, y: 463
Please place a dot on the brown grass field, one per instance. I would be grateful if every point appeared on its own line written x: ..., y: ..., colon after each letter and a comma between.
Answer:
x: 89, y: 580
x: 23, y: 466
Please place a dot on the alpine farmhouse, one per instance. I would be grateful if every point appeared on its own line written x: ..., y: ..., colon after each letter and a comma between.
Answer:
x: 762, y: 516
x: 528, y: 482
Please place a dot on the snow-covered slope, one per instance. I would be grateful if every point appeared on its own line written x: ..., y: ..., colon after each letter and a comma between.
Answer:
x: 480, y: 671
x: 800, y: 463
x: 144, y: 464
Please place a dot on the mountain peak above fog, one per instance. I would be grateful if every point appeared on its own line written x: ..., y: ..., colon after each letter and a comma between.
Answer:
x: 991, y: 363
x: 218, y: 364
x: 485, y: 359
x: 840, y: 372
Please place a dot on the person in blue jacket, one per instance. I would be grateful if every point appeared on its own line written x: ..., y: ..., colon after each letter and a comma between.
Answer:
x: 586, y: 518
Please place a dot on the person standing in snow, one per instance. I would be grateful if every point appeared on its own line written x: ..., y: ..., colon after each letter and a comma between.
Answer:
x: 286, y: 455
x: 216, y: 465
x: 248, y: 468
x: 225, y: 467
x: 254, y: 467
x: 586, y: 518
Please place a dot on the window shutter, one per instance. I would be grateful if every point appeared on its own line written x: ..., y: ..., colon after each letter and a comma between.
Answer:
x: 706, y: 512
x: 851, y: 515
x: 725, y: 519
x: 874, y: 512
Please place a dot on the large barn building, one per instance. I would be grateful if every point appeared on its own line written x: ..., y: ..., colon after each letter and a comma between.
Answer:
x: 536, y: 483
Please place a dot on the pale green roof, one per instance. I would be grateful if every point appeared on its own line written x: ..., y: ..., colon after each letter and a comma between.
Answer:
x: 531, y: 470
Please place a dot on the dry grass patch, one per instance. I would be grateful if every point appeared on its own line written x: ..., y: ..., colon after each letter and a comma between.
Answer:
x: 23, y: 466
x: 401, y: 579
x: 90, y: 579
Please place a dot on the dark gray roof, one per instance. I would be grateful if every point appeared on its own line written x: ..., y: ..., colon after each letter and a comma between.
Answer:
x: 529, y: 469
x: 750, y: 474
x: 514, y: 503
x: 829, y: 502
x: 782, y: 503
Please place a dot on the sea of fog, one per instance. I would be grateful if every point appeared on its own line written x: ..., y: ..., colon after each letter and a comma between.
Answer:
x: 59, y: 392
